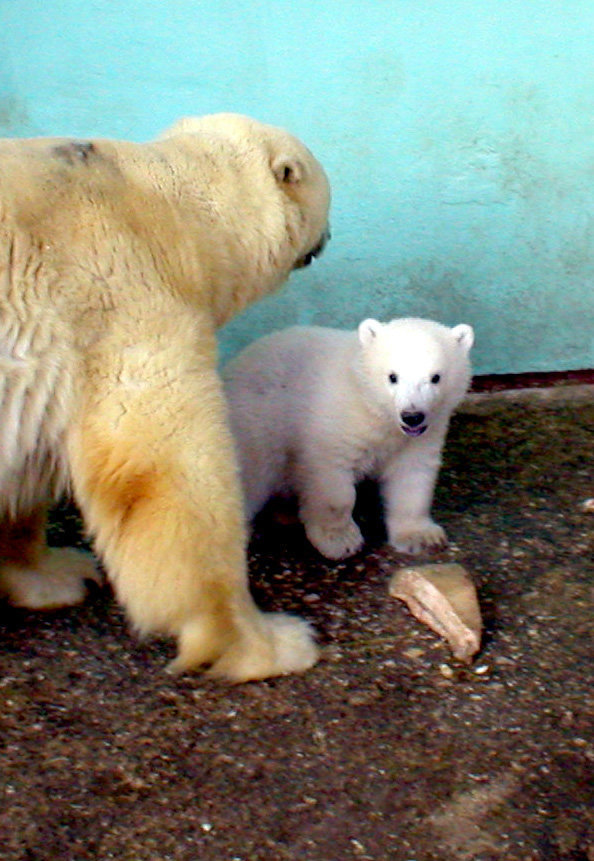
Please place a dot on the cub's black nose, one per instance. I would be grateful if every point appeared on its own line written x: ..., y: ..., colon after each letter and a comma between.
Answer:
x: 413, y: 420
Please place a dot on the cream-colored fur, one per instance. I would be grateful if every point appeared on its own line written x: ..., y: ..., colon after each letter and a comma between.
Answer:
x: 316, y: 410
x: 118, y: 261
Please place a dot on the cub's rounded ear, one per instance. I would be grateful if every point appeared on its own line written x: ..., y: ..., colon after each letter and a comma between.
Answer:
x: 464, y: 334
x: 288, y: 170
x: 368, y: 331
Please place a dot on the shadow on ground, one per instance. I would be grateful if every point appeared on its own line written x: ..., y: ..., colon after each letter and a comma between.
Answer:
x: 387, y: 749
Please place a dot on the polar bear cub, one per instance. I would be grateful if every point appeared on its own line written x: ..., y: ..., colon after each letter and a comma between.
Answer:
x: 315, y: 410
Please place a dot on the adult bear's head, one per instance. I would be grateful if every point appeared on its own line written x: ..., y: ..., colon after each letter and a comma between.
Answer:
x: 261, y: 190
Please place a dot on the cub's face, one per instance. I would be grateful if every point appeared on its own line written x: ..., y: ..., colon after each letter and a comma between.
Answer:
x: 415, y: 371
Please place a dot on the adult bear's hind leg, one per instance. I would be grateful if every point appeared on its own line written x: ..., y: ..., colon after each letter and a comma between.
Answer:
x: 38, y: 577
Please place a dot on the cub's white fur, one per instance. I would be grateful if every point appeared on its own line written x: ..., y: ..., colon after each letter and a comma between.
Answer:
x: 316, y: 410
x: 117, y: 263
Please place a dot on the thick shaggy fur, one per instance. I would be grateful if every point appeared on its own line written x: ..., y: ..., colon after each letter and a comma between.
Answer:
x: 117, y: 263
x: 316, y: 410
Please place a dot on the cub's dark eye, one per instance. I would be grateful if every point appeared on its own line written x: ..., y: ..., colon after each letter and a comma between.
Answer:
x: 435, y: 379
x: 393, y: 377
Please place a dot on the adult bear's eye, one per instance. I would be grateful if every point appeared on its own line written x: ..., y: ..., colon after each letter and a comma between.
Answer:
x: 435, y: 379
x: 393, y: 377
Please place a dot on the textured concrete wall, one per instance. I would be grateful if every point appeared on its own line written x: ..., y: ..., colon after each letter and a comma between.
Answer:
x: 459, y: 138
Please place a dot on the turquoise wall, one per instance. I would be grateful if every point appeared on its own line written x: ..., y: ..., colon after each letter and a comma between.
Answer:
x: 458, y: 136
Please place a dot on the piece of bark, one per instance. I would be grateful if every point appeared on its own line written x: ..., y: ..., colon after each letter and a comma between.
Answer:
x: 444, y: 598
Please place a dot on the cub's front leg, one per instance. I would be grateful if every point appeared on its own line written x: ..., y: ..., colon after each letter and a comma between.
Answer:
x: 407, y: 484
x: 326, y: 502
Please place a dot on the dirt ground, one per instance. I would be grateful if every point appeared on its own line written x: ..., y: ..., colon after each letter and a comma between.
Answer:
x: 385, y: 750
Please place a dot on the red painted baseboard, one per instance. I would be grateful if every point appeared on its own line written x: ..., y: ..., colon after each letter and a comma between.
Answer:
x: 500, y: 382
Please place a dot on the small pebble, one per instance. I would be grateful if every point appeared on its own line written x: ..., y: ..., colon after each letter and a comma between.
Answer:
x: 413, y: 653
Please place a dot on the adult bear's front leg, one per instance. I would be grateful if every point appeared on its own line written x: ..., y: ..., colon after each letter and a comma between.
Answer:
x: 154, y: 471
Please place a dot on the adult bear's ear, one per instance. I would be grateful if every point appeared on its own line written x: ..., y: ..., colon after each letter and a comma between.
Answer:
x: 464, y: 334
x: 288, y: 170
x: 368, y: 331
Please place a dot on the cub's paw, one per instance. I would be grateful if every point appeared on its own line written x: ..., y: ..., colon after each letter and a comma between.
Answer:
x: 333, y: 542
x: 59, y: 580
x: 418, y: 535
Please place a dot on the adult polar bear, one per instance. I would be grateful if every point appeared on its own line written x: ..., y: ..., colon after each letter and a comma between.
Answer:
x: 117, y: 263
x: 315, y: 410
